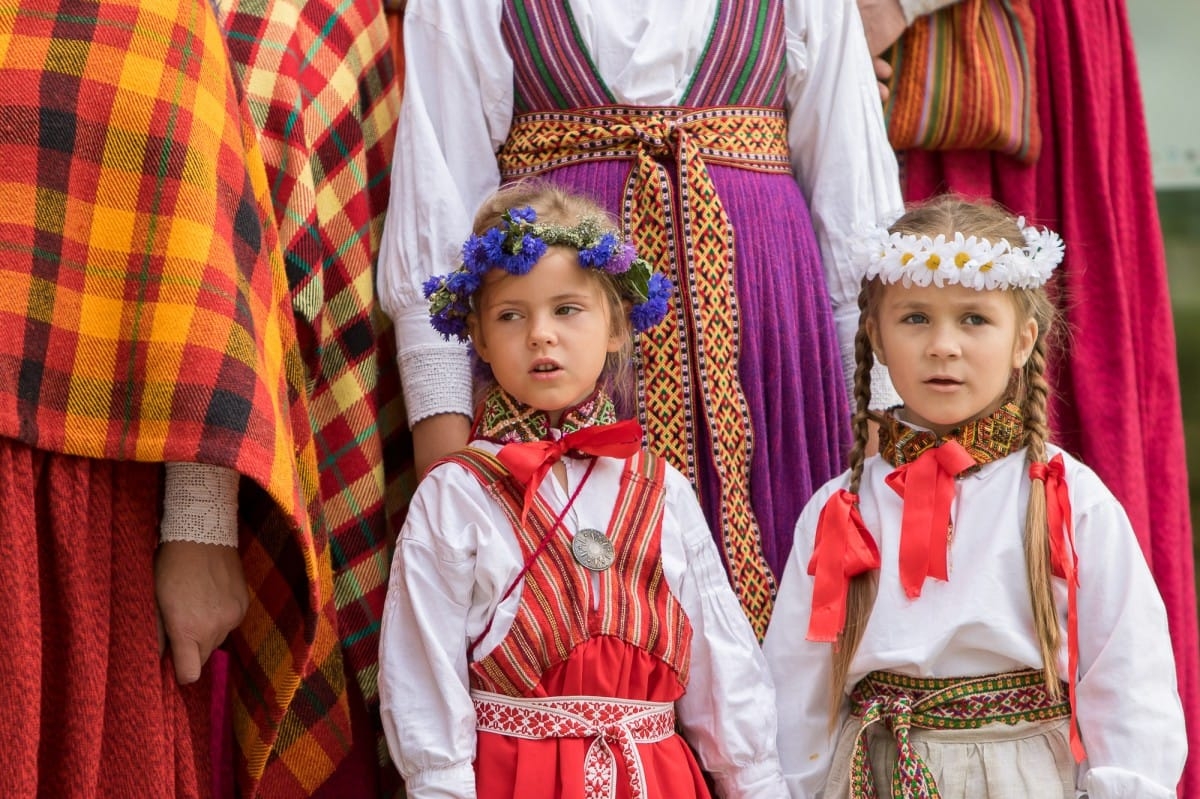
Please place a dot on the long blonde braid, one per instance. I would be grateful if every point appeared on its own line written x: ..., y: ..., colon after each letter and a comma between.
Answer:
x: 1035, y: 396
x: 861, y: 596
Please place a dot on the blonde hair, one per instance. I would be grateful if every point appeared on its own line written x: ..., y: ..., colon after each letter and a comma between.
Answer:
x: 947, y: 215
x: 557, y: 206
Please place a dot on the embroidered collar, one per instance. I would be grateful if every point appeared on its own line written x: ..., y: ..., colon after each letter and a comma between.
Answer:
x: 505, y: 420
x: 987, y: 439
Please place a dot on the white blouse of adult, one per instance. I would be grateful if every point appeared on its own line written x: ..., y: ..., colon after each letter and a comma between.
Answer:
x: 457, y: 110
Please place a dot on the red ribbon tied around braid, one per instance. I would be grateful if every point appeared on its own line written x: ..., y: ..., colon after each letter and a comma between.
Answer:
x: 530, y: 461
x: 843, y: 549
x: 927, y: 487
x: 1064, y: 563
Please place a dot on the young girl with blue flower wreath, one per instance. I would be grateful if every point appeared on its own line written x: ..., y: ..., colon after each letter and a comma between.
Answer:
x: 558, y: 621
x: 967, y: 613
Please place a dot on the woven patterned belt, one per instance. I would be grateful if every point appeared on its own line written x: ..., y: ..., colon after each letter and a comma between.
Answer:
x: 903, y: 703
x: 691, y: 361
x: 611, y: 723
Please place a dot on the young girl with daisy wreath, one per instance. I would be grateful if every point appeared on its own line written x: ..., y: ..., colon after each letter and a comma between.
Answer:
x: 967, y: 613
x: 558, y: 621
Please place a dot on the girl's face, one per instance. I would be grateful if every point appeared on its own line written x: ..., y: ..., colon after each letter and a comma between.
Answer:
x: 546, y: 334
x: 950, y: 350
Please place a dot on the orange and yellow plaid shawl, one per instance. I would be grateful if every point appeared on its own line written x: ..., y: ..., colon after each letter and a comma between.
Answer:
x: 144, y: 310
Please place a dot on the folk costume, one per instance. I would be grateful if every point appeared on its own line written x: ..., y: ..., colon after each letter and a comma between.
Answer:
x: 146, y: 320
x: 319, y: 81
x: 1093, y: 183
x: 945, y: 691
x: 721, y: 153
x: 541, y: 676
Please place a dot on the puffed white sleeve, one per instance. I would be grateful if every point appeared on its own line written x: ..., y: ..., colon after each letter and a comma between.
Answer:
x: 840, y: 153
x: 1129, y: 712
x: 456, y: 112
x: 425, y: 704
x: 802, y: 669
x: 727, y: 713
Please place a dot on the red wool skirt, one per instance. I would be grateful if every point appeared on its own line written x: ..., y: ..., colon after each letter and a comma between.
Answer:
x: 88, y: 708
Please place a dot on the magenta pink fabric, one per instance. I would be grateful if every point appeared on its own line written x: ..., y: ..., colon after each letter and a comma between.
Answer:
x: 1117, y: 403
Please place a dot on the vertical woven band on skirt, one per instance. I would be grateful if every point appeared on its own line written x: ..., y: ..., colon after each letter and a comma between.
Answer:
x: 687, y: 370
x: 613, y: 724
x: 903, y: 703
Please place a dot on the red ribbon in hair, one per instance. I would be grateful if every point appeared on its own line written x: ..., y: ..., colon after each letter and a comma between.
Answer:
x: 1065, y: 564
x: 843, y: 549
x: 927, y: 487
x: 529, y: 462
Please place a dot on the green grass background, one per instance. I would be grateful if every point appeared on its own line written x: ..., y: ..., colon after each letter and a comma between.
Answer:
x: 1180, y: 214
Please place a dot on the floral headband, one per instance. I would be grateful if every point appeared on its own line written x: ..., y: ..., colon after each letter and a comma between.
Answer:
x: 967, y: 261
x: 517, y: 243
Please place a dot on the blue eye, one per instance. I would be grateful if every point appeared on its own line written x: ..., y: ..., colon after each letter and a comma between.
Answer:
x: 915, y: 319
x: 974, y: 320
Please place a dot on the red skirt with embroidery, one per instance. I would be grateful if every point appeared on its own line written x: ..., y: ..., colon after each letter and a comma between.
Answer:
x: 553, y: 768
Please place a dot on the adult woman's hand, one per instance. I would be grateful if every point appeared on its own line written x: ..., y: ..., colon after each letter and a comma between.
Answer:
x: 883, y: 22
x: 202, y: 597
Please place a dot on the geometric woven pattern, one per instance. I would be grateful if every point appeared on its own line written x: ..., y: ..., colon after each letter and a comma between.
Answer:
x: 987, y: 439
x: 902, y: 702
x: 611, y: 724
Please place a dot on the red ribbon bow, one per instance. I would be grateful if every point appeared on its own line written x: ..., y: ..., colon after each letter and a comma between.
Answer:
x: 1064, y: 563
x: 529, y: 462
x: 927, y: 487
x: 843, y: 549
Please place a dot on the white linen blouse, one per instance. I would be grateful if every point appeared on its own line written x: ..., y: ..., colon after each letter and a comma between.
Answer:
x: 458, y: 107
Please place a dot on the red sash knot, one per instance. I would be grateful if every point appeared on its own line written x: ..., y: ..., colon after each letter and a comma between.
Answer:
x: 842, y: 550
x: 927, y: 486
x: 1065, y: 564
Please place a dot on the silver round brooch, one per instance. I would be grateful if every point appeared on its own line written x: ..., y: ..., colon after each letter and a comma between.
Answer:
x: 592, y: 549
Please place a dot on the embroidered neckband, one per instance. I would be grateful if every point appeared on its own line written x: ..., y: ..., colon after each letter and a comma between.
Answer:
x: 504, y: 419
x: 517, y: 243
x: 987, y: 439
x: 968, y: 261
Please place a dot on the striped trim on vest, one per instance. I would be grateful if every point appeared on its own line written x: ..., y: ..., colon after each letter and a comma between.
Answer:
x: 555, y: 613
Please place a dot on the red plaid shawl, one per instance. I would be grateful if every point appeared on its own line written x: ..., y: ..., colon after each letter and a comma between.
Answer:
x: 145, y: 312
x: 320, y: 83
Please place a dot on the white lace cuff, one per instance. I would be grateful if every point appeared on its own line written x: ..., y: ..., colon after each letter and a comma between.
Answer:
x: 200, y: 504
x: 436, y: 380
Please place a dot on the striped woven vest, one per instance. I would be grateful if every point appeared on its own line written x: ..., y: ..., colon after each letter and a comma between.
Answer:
x: 555, y: 614
x: 742, y: 66
x: 731, y: 113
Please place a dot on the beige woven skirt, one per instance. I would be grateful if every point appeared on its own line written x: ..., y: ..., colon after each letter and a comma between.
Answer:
x: 1027, y: 760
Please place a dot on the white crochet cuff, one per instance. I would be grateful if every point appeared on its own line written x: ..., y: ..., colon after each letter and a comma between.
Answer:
x: 436, y: 380
x: 919, y: 8
x: 200, y: 504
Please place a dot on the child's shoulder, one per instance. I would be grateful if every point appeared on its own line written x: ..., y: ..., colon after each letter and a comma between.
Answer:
x: 1084, y: 484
